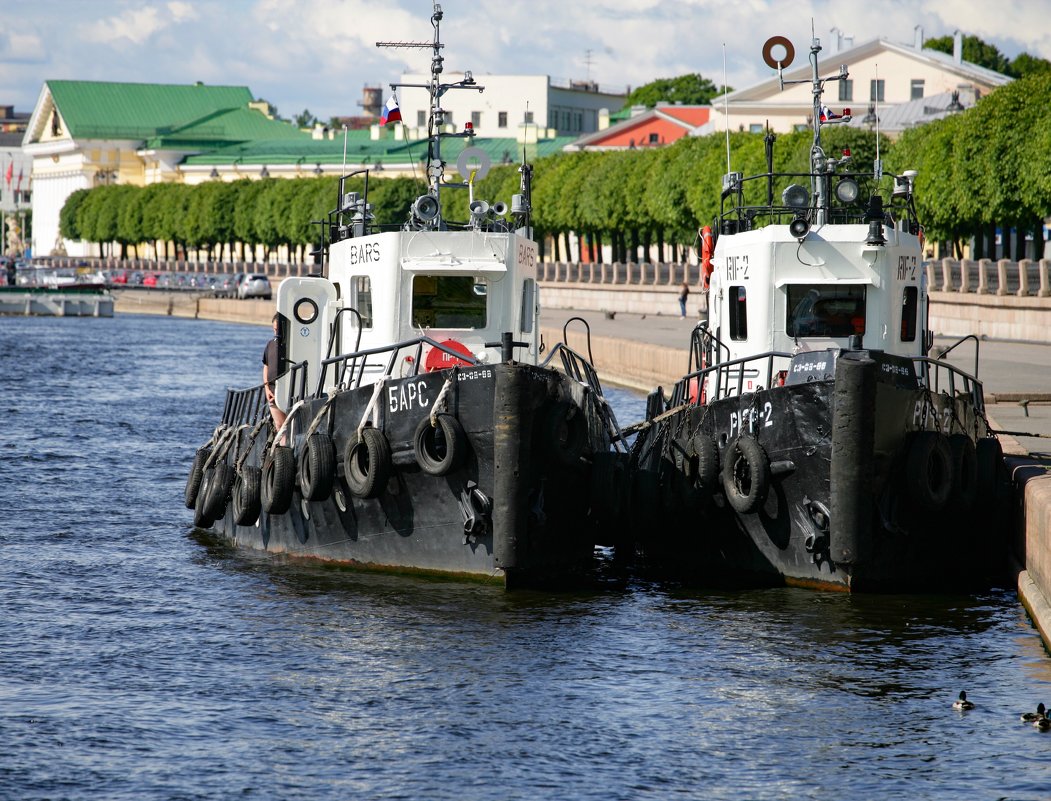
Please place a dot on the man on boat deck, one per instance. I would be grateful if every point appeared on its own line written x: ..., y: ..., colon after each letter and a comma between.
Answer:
x: 271, y: 371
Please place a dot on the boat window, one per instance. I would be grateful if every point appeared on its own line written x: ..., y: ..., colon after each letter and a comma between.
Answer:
x: 909, y: 308
x: 361, y: 298
x: 738, y: 313
x: 825, y: 310
x: 449, y: 301
x: 528, y: 305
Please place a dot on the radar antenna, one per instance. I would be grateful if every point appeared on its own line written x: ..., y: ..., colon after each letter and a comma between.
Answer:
x: 432, y: 218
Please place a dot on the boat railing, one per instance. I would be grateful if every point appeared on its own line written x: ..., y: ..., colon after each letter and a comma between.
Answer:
x: 701, y: 342
x: 244, y: 406
x: 583, y: 370
x: 729, y: 378
x: 941, y: 377
x: 349, y: 368
x: 970, y: 337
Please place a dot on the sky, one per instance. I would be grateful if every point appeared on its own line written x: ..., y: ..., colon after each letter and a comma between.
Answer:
x: 317, y: 55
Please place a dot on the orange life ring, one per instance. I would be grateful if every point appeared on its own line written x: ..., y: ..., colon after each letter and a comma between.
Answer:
x: 707, y: 250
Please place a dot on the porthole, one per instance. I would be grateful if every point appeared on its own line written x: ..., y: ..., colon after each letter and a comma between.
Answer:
x: 305, y: 311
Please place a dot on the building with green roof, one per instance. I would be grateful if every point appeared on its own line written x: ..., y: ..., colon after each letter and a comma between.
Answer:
x: 83, y: 134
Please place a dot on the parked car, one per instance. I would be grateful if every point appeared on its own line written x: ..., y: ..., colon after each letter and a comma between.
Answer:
x: 255, y: 285
x: 150, y: 279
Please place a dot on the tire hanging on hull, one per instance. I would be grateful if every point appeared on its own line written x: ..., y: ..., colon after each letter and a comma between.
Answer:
x: 442, y: 448
x: 278, y: 478
x: 929, y: 471
x: 317, y: 466
x: 746, y: 474
x: 245, y: 496
x: 367, y: 463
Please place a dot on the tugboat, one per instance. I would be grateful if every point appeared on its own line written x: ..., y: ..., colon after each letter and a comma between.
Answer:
x: 814, y: 440
x: 424, y: 433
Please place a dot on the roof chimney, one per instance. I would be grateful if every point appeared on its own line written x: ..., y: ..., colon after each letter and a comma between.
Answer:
x: 833, y: 41
x: 957, y: 47
x: 918, y: 33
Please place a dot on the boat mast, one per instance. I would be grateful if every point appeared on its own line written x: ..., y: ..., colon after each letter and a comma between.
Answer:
x: 428, y: 214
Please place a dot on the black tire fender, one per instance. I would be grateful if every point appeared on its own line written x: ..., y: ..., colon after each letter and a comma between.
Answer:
x: 707, y: 454
x: 928, y: 470
x: 989, y: 456
x: 218, y: 490
x: 367, y: 463
x: 317, y: 466
x: 565, y: 432
x: 193, y: 481
x: 746, y: 474
x: 442, y: 448
x: 245, y: 496
x: 964, y: 472
x: 278, y: 480
x: 200, y: 518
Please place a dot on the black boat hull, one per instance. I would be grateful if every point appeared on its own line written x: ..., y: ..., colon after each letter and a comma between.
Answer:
x: 532, y: 435
x: 854, y: 490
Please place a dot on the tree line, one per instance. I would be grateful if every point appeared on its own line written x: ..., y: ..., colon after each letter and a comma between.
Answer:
x: 979, y: 170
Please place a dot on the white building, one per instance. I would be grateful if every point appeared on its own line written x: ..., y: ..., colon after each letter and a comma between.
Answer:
x: 882, y: 75
x: 510, y: 103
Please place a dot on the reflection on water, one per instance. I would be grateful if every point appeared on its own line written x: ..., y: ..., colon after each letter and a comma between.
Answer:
x: 138, y: 661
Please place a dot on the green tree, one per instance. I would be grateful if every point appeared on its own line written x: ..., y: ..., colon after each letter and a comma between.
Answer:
x: 1024, y: 64
x: 692, y: 89
x: 305, y: 119
x: 67, y: 217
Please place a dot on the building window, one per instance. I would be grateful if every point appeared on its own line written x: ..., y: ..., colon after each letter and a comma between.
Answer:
x: 755, y: 127
x: 501, y: 119
x: 917, y: 89
x: 655, y: 139
x: 476, y: 119
x: 738, y: 313
x: 528, y: 119
x: 421, y: 119
x: 876, y: 89
x: 909, y: 307
x: 846, y: 91
x: 801, y: 126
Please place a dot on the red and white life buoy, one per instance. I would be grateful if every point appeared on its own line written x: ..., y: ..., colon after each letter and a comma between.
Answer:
x: 707, y: 251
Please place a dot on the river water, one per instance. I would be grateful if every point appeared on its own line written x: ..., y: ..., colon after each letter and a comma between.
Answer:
x: 138, y: 661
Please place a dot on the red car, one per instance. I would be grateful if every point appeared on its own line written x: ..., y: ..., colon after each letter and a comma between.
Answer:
x: 150, y: 279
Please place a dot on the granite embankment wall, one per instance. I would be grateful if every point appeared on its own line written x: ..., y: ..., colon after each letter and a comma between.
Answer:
x: 621, y: 361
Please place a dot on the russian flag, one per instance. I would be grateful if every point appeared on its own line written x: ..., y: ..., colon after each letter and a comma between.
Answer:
x: 828, y: 114
x: 391, y: 112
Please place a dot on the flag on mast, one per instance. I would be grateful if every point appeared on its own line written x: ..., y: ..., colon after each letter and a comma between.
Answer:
x: 10, y: 172
x: 391, y: 112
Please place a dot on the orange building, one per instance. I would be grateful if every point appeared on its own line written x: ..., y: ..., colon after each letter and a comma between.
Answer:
x: 652, y: 127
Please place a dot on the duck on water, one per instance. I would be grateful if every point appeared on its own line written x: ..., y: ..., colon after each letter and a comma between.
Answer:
x: 813, y: 440
x: 426, y: 430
